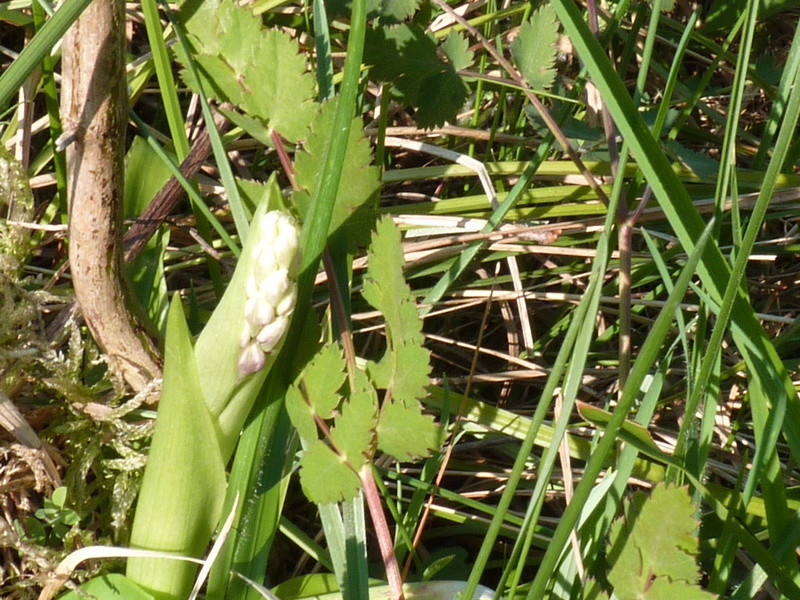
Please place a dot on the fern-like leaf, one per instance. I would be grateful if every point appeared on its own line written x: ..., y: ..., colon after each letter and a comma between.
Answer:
x: 239, y: 61
x: 655, y: 558
x: 407, y: 57
x: 360, y: 180
x: 534, y: 50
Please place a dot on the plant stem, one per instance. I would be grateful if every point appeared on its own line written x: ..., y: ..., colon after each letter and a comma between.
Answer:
x: 382, y: 532
x: 94, y: 104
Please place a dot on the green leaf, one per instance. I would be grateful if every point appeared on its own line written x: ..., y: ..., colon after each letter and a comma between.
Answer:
x: 316, y: 391
x: 239, y: 61
x: 534, y: 50
x: 386, y: 11
x: 633, y: 432
x: 407, y: 57
x: 653, y: 556
x: 108, y: 587
x: 353, y: 432
x: 325, y: 477
x: 397, y: 11
x: 663, y: 588
x: 404, y: 370
x: 255, y: 193
x: 404, y: 432
x: 456, y: 48
x: 404, y: 367
x: 353, y: 212
x: 184, y: 482
x: 217, y: 350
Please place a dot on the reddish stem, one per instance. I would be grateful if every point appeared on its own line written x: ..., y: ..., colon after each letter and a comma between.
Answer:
x: 382, y: 531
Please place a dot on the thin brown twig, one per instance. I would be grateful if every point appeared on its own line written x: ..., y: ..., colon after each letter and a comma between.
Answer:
x: 162, y: 205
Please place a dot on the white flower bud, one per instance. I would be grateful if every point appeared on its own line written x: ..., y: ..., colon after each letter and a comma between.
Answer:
x: 271, y: 334
x: 274, y: 286
x: 286, y: 248
x: 251, y: 359
x: 265, y: 261
x: 286, y: 305
x: 270, y: 290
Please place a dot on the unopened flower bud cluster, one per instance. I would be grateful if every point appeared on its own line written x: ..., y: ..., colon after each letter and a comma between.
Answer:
x: 270, y: 290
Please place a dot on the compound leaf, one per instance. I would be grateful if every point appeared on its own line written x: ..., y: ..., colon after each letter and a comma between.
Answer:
x: 325, y: 477
x: 534, y: 50
x: 670, y: 545
x: 353, y: 432
x: 404, y: 432
x: 404, y: 367
x: 239, y: 61
x: 360, y: 180
x: 386, y: 11
x: 407, y: 57
x: 654, y: 557
x: 662, y: 588
x: 315, y: 392
x: 456, y: 48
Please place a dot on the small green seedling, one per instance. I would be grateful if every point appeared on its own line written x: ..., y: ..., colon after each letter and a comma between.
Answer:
x: 53, y: 521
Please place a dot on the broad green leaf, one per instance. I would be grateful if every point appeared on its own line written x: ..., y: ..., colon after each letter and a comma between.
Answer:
x: 253, y: 193
x: 301, y: 414
x: 316, y: 391
x: 404, y: 367
x: 397, y: 11
x: 145, y: 174
x: 239, y: 61
x: 663, y: 588
x: 407, y: 57
x: 669, y: 547
x: 353, y: 212
x: 534, y: 50
x: 322, y: 378
x: 325, y: 477
x: 184, y: 482
x: 456, y: 47
x: 404, y: 432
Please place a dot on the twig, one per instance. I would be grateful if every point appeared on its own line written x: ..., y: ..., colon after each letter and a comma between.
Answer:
x: 162, y: 205
x: 94, y: 117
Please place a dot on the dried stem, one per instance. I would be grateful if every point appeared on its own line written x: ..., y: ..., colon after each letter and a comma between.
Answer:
x: 94, y: 114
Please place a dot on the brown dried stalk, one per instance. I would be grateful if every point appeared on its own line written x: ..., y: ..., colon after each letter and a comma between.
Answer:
x: 94, y: 114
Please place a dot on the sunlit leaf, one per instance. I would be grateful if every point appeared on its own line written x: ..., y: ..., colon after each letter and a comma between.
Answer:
x: 315, y: 393
x: 354, y: 429
x: 353, y: 212
x: 534, y: 50
x: 325, y: 477
x: 654, y: 547
x: 404, y: 432
x: 257, y: 69
x: 404, y: 367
